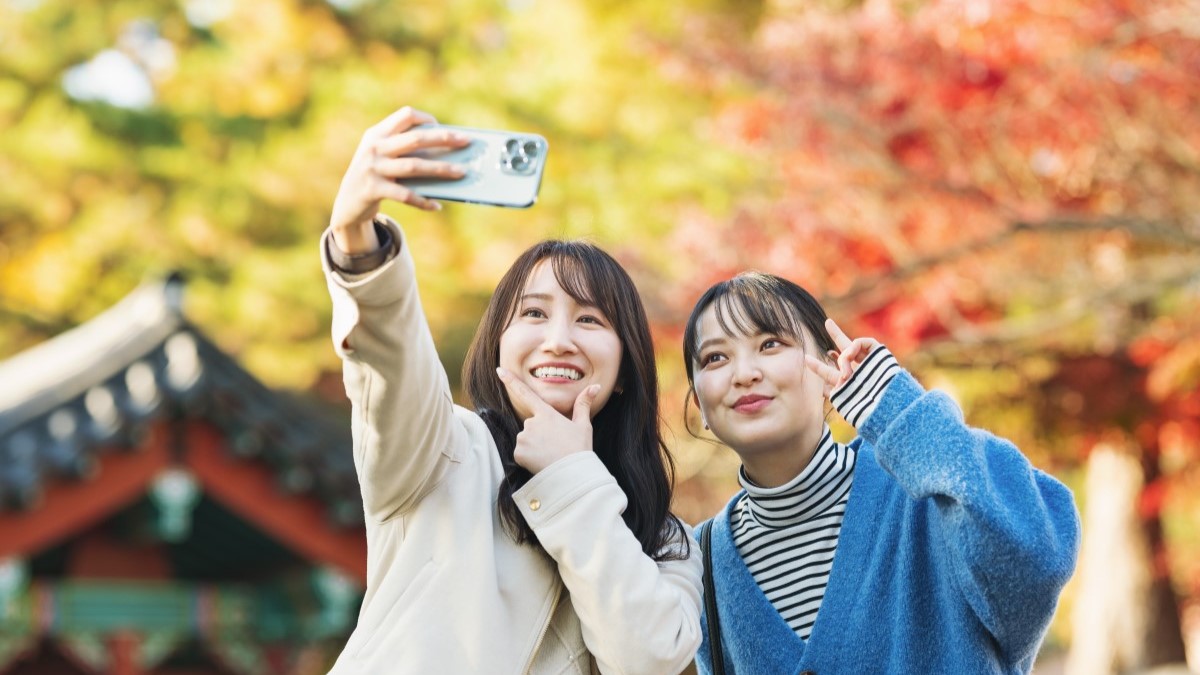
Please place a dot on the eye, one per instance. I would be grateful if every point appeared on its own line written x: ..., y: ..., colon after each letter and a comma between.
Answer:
x: 711, y: 358
x: 773, y: 343
x: 588, y: 318
x: 533, y: 313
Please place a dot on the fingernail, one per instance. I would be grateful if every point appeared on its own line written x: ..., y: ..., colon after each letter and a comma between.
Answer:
x: 594, y: 390
x: 437, y: 206
x: 502, y: 373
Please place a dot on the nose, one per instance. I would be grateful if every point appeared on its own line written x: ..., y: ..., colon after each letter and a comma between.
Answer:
x: 557, y: 338
x: 746, y: 372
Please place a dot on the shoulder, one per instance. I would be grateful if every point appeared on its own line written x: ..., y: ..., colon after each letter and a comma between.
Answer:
x: 477, y: 441
x: 472, y: 421
x: 681, y: 548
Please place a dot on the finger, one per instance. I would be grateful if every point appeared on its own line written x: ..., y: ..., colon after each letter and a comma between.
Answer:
x: 398, y: 193
x: 839, y: 338
x: 417, y: 139
x: 402, y: 120
x: 423, y: 203
x: 850, y: 356
x: 583, y: 405
x: 822, y: 370
x: 861, y: 350
x: 415, y: 167
x: 521, y: 394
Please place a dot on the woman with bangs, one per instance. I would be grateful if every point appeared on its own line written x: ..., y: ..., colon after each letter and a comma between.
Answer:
x: 530, y: 534
x: 922, y: 546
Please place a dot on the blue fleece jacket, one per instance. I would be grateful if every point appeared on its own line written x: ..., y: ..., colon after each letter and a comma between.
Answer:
x: 952, y: 554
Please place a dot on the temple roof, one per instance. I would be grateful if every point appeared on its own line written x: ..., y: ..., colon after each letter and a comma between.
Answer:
x: 98, y: 387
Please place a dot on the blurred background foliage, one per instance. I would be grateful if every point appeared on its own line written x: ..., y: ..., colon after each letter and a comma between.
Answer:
x: 1007, y: 193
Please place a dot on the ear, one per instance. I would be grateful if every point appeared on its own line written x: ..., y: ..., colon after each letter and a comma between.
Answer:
x: 696, y: 399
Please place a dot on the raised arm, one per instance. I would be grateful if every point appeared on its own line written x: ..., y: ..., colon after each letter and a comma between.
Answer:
x: 1010, y: 531
x: 403, y: 426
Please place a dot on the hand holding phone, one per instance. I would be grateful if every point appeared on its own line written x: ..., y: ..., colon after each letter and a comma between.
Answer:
x: 408, y: 158
x: 501, y: 168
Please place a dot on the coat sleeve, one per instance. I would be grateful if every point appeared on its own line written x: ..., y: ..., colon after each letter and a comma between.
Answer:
x: 637, y: 615
x: 1011, y: 532
x: 405, y: 434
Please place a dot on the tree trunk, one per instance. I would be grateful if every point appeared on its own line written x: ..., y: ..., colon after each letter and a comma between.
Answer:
x: 1126, y: 615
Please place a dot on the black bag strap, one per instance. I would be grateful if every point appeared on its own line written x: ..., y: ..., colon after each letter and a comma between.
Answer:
x: 715, y: 649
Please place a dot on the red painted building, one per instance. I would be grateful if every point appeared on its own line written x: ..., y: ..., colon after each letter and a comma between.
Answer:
x: 162, y: 512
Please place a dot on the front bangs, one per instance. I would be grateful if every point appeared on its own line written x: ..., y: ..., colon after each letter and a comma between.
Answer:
x: 748, y: 310
x: 586, y: 284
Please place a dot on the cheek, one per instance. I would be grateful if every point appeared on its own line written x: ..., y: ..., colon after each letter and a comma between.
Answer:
x: 811, y: 382
x: 606, y: 355
x: 510, y: 351
x: 708, y: 391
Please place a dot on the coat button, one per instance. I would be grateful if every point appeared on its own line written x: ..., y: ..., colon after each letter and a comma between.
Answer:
x: 534, y: 505
x: 809, y: 672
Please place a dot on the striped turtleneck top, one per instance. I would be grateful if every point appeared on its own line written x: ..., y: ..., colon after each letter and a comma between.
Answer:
x: 788, y: 535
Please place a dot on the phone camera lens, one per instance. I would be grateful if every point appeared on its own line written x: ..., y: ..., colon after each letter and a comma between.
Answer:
x: 512, y: 146
x: 530, y: 148
x: 519, y: 163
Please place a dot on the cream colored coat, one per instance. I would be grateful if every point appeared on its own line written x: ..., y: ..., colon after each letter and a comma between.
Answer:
x: 448, y: 591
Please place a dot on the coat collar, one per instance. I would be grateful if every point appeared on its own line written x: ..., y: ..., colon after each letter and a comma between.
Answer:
x: 764, y: 640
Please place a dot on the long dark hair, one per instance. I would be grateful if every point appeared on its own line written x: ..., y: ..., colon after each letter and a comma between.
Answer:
x: 625, y: 433
x: 752, y: 303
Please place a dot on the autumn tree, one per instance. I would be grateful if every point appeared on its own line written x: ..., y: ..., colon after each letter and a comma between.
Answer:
x: 1006, y: 194
x: 209, y: 137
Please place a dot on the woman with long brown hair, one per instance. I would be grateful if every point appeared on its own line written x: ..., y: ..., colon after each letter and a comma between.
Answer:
x: 532, y: 533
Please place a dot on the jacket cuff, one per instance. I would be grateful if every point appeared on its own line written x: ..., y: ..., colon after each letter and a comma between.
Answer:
x: 363, y: 263
x: 901, y: 394
x: 858, y: 396
x: 558, y: 486
x: 380, y: 287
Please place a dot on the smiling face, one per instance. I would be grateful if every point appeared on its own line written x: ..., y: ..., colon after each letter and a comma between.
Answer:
x: 744, y: 347
x: 558, y: 346
x: 755, y: 392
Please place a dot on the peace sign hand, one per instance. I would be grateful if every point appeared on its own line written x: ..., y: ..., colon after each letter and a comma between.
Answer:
x: 548, y: 435
x: 849, y: 355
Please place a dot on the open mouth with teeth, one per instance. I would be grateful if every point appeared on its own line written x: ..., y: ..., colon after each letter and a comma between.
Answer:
x: 557, y: 373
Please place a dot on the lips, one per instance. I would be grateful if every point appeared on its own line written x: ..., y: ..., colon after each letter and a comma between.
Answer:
x: 751, y: 403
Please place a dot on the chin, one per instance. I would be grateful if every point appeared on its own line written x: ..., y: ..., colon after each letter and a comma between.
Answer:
x: 561, y: 402
x: 750, y: 444
x: 563, y: 408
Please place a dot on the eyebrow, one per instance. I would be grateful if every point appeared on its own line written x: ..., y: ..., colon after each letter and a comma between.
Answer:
x: 709, y: 342
x: 546, y: 297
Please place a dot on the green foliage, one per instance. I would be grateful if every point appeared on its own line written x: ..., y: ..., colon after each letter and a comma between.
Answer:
x: 229, y: 174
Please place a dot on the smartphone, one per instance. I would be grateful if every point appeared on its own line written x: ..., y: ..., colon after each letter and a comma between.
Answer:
x: 503, y: 168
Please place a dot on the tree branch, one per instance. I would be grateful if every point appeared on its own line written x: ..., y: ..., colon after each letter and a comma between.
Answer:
x: 1027, y: 335
x: 1152, y: 231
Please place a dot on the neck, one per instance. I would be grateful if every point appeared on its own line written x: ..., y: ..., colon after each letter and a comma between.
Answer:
x: 774, y: 467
